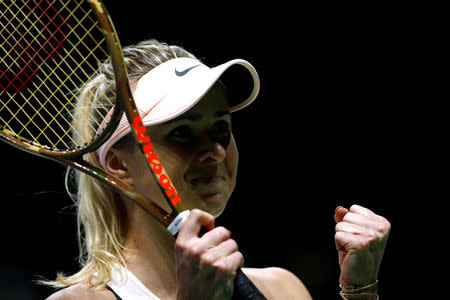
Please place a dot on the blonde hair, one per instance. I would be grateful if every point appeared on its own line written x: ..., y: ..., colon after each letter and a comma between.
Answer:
x: 100, y: 212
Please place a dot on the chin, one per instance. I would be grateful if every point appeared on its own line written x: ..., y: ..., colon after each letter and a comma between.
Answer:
x: 213, y: 204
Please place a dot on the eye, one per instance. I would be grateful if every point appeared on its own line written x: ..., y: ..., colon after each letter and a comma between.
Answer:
x: 220, y: 130
x: 181, y: 133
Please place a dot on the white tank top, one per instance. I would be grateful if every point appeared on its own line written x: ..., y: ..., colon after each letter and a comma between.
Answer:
x: 130, y: 287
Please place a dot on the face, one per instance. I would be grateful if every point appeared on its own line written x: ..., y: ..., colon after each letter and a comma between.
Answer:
x: 199, y: 153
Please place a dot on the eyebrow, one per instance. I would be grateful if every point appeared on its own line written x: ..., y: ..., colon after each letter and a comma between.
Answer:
x: 198, y: 117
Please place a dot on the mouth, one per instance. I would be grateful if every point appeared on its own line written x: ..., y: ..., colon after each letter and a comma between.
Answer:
x: 209, y: 181
x: 214, y: 179
x: 210, y: 186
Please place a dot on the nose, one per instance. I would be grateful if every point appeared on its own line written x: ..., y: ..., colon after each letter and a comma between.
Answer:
x: 211, y: 153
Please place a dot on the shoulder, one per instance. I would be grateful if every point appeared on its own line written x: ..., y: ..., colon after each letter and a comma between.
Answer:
x: 277, y: 283
x: 82, y: 291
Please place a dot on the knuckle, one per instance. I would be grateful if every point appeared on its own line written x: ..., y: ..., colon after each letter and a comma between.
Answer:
x: 196, y: 212
x: 228, y: 266
x: 179, y: 245
x: 386, y: 225
x: 338, y: 235
x: 233, y: 244
x: 379, y: 227
x: 195, y: 251
x: 222, y: 266
x: 372, y: 234
x: 240, y: 256
x: 207, y: 259
x: 383, y: 226
x: 364, y: 243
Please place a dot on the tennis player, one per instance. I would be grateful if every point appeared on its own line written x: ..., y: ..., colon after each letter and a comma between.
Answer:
x: 128, y: 255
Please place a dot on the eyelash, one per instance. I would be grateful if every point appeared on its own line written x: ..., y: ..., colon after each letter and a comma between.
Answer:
x: 185, y: 133
x: 222, y: 128
x: 181, y: 132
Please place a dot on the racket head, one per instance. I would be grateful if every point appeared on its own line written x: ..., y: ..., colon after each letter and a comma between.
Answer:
x: 55, y: 99
x: 51, y: 54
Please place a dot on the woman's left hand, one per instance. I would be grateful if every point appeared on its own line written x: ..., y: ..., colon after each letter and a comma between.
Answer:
x: 361, y: 237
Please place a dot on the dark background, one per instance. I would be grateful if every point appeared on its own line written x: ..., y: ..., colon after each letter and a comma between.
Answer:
x: 331, y: 126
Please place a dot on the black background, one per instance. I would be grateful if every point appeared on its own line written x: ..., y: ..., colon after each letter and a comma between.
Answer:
x: 331, y: 126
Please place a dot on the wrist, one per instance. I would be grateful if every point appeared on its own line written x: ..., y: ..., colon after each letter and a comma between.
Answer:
x: 359, y: 296
x: 351, y: 292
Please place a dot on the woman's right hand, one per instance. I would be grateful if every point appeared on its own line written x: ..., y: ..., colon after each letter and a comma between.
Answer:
x: 207, y: 265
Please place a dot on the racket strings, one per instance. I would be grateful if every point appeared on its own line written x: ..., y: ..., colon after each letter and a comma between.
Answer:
x: 51, y: 53
x: 26, y: 17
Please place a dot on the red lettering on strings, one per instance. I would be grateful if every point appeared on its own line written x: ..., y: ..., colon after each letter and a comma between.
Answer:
x: 29, y: 51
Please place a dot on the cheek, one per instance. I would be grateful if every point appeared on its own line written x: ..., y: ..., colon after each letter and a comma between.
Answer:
x: 144, y: 181
x: 232, y: 159
x: 174, y: 162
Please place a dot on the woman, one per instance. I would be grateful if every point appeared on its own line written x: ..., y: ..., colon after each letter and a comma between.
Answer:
x: 128, y: 255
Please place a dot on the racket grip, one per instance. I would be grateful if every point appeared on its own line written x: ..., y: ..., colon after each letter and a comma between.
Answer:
x: 174, y: 227
x: 244, y: 289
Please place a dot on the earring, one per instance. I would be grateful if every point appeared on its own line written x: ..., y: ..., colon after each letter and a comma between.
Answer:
x: 124, y: 163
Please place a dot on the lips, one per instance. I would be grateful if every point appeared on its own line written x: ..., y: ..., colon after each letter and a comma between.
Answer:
x: 208, y: 177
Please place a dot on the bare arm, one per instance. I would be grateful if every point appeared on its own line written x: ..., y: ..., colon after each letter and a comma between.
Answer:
x: 82, y: 291
x: 277, y: 283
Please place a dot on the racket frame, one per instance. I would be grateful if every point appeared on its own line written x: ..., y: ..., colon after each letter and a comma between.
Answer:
x: 124, y: 103
x: 125, y: 98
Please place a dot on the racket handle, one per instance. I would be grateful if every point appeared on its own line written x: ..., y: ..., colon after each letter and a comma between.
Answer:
x: 174, y: 227
x: 244, y: 289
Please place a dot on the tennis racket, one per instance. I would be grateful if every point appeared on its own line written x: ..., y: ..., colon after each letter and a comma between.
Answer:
x: 50, y: 51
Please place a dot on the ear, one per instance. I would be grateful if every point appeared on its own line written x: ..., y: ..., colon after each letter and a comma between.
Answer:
x: 117, y: 166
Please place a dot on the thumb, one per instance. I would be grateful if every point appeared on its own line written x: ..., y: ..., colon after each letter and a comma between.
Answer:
x: 340, y: 213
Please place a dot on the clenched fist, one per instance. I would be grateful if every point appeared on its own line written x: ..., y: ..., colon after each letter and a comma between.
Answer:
x: 206, y: 265
x: 360, y: 238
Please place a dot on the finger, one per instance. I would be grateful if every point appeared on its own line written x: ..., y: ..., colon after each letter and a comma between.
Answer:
x: 237, y: 260
x: 362, y: 210
x: 374, y: 228
x: 354, y: 229
x: 225, y: 249
x: 192, y: 225
x: 382, y: 222
x: 350, y: 242
x: 216, y: 236
x: 230, y: 264
x: 359, y: 219
x: 350, y: 228
x: 219, y: 252
x: 340, y: 213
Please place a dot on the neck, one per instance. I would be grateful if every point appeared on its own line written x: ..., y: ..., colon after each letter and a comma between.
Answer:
x: 149, y: 253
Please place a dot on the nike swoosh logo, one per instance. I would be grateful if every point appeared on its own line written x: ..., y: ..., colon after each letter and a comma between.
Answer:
x: 182, y: 73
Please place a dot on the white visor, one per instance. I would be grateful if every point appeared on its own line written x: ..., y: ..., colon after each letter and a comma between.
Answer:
x: 171, y: 89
